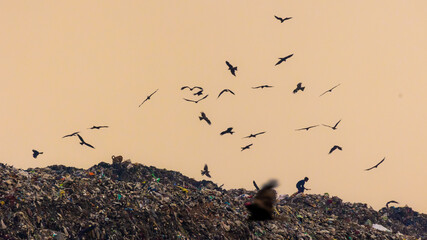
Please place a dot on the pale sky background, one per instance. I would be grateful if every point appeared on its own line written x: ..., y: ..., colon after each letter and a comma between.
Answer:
x: 66, y: 66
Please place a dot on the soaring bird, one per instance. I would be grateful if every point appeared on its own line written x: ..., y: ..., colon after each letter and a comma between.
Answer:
x: 282, y: 19
x: 205, y: 171
x: 283, y: 59
x: 70, y: 135
x: 334, y: 127
x: 229, y: 130
x: 334, y: 148
x: 389, y: 202
x: 255, y: 185
x: 299, y: 87
x: 203, y: 117
x: 98, y: 127
x: 246, y: 147
x: 231, y: 68
x: 83, y: 141
x: 148, y: 97
x: 375, y: 165
x: 263, y: 86
x: 262, y: 207
x: 36, y: 153
x: 225, y: 90
x: 306, y: 128
x: 196, y: 101
x: 191, y: 88
x: 254, y: 135
x: 330, y: 90
x: 198, y: 93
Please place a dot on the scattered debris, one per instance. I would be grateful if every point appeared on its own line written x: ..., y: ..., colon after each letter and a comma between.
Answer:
x: 126, y: 200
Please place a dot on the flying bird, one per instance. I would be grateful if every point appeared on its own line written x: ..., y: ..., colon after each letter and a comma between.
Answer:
x: 283, y: 59
x: 36, y: 153
x: 306, y: 128
x: 83, y: 141
x: 255, y: 185
x: 330, y: 90
x: 282, y: 19
x: 262, y: 207
x: 375, y: 165
x: 263, y: 86
x: 334, y: 148
x: 196, y: 100
x: 334, y: 127
x: 254, y: 135
x: 191, y: 88
x: 70, y: 135
x: 389, y: 202
x: 205, y: 171
x: 299, y: 87
x: 231, y: 68
x: 203, y: 117
x: 246, y: 147
x: 225, y: 90
x: 198, y: 93
x: 98, y: 127
x: 148, y: 97
x: 229, y: 130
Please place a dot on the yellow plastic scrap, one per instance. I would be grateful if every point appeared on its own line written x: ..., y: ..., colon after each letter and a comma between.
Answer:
x: 183, y: 189
x: 2, y: 202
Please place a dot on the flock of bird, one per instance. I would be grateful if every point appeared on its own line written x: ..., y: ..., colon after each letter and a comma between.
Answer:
x: 199, y: 91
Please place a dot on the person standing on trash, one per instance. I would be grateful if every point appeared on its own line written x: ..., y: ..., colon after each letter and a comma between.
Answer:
x: 300, y: 187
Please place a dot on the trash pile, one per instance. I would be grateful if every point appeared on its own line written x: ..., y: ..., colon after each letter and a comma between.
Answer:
x: 126, y: 200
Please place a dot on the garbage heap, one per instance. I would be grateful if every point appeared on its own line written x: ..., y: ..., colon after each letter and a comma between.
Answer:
x: 125, y: 200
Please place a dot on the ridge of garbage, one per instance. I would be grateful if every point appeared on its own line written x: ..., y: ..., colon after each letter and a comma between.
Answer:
x: 126, y: 200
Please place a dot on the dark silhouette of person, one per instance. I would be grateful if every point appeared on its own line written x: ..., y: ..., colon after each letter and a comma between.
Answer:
x: 300, y: 187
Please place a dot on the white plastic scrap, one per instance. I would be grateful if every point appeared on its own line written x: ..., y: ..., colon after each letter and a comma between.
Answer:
x: 380, y: 227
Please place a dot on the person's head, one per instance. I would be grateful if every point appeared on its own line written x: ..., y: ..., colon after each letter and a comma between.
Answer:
x: 306, y: 179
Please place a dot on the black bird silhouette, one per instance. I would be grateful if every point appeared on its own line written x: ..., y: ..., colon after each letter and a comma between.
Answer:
x: 203, y: 117
x: 148, y: 97
x: 255, y: 185
x: 375, y: 165
x: 334, y: 127
x: 205, y: 171
x: 70, y: 135
x: 246, y: 147
x: 262, y: 207
x: 389, y: 202
x: 334, y: 148
x: 299, y: 87
x: 306, y: 128
x: 191, y: 88
x: 98, y: 127
x: 254, y: 135
x: 198, y: 93
x: 83, y: 141
x: 263, y: 86
x: 330, y: 90
x: 225, y: 90
x: 231, y: 68
x: 283, y: 59
x: 282, y: 19
x: 36, y: 153
x: 196, y: 100
x: 229, y: 130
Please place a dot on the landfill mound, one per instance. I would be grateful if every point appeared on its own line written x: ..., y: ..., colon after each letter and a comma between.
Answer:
x: 125, y: 200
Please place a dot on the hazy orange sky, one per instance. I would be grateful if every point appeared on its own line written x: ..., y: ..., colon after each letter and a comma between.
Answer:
x: 66, y: 66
